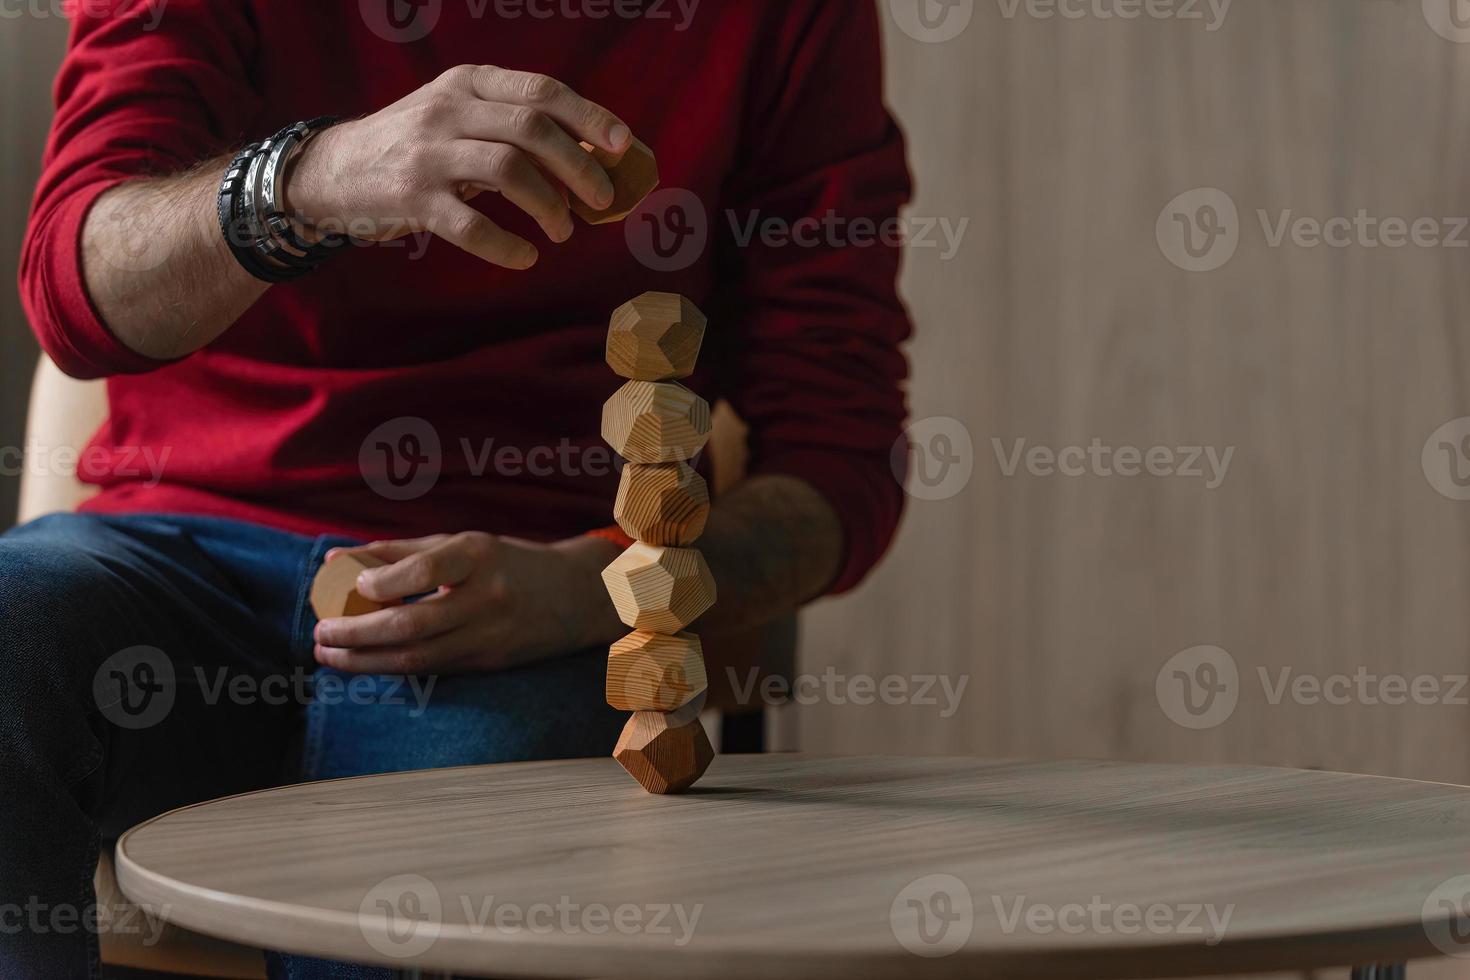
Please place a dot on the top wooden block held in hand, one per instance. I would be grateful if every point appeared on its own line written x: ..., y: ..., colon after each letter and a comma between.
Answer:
x: 634, y: 176
x: 655, y: 337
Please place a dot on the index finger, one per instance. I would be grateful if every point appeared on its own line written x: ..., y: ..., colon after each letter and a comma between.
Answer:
x: 449, y: 563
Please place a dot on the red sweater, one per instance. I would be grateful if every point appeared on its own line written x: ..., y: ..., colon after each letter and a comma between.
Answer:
x: 765, y: 109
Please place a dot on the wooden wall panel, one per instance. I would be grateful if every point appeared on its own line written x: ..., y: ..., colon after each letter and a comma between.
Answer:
x: 1325, y: 549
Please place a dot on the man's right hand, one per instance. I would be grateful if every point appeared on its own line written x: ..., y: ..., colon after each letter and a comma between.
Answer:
x: 413, y: 166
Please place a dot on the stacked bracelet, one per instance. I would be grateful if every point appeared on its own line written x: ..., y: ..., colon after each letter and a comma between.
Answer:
x: 252, y: 213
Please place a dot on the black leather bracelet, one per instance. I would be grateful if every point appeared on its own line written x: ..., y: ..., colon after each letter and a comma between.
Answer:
x: 233, y: 226
x: 270, y: 204
x: 256, y: 229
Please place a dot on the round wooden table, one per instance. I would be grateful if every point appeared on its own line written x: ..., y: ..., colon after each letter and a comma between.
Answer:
x: 796, y: 866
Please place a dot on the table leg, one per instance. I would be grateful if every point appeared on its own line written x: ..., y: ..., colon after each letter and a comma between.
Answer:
x: 1379, y: 971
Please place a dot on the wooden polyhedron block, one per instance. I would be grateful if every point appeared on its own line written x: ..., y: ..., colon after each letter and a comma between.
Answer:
x: 655, y: 337
x: 634, y: 177
x: 664, y: 757
x: 661, y: 590
x: 662, y: 503
x: 653, y: 672
x: 334, y: 590
x: 656, y: 422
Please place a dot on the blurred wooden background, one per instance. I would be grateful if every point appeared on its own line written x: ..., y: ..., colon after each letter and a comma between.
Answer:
x: 1325, y: 549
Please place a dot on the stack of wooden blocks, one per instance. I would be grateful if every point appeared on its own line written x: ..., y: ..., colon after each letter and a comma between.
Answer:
x: 660, y: 585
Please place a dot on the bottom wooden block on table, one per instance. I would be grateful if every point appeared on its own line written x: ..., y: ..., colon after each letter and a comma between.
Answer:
x: 334, y: 591
x: 665, y: 753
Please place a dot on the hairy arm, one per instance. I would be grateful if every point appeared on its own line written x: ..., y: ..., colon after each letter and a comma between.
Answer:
x: 157, y: 268
x: 773, y: 544
x: 162, y: 278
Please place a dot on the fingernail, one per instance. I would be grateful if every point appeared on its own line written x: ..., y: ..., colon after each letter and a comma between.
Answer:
x: 605, y: 195
x: 619, y: 135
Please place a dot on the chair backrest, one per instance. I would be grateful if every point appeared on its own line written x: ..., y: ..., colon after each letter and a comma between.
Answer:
x: 64, y: 414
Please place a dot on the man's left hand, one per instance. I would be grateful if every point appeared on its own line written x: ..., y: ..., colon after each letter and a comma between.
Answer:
x: 489, y: 603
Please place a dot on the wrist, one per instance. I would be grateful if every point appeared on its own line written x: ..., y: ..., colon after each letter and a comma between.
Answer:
x: 586, y: 557
x: 309, y: 180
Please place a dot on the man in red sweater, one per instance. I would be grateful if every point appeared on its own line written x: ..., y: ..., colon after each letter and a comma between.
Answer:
x: 468, y: 335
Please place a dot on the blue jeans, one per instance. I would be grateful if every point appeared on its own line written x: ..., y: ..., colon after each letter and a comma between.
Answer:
x: 155, y: 661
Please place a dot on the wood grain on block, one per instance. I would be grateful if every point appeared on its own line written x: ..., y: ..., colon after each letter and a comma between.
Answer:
x: 334, y: 591
x: 654, y: 672
x: 663, y: 757
x: 662, y: 503
x: 661, y: 590
x: 655, y: 337
x: 634, y: 176
x: 656, y: 422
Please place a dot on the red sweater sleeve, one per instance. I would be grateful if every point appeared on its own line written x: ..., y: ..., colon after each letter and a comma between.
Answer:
x: 146, y: 88
x: 818, y: 372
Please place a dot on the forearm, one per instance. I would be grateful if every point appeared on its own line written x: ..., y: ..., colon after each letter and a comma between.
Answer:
x: 157, y: 268
x: 773, y: 543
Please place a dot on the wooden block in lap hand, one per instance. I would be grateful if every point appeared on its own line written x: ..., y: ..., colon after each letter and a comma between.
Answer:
x: 634, y: 176
x: 656, y: 422
x: 654, y: 672
x: 334, y: 591
x: 662, y: 503
x: 665, y: 757
x: 661, y: 590
x: 655, y: 337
